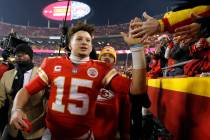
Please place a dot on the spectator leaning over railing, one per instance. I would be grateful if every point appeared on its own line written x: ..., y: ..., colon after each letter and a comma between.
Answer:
x: 200, y: 52
x: 189, y: 20
x: 179, y: 53
x: 154, y: 64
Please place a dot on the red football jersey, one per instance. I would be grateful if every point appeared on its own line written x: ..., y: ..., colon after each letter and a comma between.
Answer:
x: 73, y: 93
x: 112, y: 115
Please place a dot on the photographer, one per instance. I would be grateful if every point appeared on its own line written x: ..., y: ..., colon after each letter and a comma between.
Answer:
x: 6, y: 63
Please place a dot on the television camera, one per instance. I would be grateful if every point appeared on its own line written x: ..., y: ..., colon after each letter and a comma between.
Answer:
x: 10, y: 42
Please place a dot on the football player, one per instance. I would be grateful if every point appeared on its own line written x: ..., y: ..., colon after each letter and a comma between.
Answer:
x: 75, y: 82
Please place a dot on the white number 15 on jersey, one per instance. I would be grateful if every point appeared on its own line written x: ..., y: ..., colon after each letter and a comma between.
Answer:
x: 73, y: 95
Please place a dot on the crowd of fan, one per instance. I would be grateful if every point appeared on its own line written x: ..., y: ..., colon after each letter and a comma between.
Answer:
x: 40, y: 35
x: 28, y: 31
x: 171, y: 51
x: 168, y: 50
x: 44, y: 32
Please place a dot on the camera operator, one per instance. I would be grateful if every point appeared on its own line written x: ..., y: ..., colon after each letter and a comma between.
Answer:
x: 6, y: 63
x: 4, y: 66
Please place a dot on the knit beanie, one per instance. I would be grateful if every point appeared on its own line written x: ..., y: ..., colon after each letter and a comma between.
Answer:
x: 109, y: 50
x: 24, y: 48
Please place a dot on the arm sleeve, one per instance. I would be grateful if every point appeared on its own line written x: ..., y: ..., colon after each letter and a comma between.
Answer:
x: 116, y: 82
x: 35, y: 85
x: 173, y: 20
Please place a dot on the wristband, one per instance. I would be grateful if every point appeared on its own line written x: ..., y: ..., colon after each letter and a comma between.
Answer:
x: 138, y: 56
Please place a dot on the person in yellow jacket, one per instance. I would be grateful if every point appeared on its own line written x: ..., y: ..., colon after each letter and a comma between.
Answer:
x: 186, y: 22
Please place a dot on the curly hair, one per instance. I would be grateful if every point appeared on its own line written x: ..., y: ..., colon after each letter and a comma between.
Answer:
x: 80, y: 26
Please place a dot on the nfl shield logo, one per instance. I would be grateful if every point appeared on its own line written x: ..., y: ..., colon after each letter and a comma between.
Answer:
x: 74, y: 70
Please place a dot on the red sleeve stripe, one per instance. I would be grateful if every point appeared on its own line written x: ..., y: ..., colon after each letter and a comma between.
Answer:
x: 166, y: 24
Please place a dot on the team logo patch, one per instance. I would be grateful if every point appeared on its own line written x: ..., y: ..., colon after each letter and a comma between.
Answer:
x: 105, y: 95
x: 92, y: 72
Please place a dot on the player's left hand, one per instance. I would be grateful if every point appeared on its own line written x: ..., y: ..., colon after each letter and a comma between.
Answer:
x: 146, y: 28
x: 129, y: 37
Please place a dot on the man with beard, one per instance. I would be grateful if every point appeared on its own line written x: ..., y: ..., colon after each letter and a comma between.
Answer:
x: 10, y: 84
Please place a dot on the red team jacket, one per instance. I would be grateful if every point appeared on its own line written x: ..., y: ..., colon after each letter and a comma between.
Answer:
x: 73, y: 93
x: 3, y: 68
x: 112, y: 115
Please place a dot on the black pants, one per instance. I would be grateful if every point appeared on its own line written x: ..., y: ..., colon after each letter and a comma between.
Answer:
x: 7, y: 136
x: 4, y: 116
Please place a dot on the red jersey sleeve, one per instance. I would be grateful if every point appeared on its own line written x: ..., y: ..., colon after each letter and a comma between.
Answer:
x: 44, y: 70
x: 112, y: 79
x: 35, y: 85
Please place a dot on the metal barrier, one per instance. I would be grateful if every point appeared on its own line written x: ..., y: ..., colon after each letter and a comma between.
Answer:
x: 164, y: 69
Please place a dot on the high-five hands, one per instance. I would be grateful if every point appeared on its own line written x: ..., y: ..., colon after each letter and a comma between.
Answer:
x: 129, y: 37
x: 140, y: 30
x: 146, y: 28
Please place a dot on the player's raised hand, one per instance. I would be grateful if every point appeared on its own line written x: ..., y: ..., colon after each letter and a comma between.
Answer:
x: 131, y: 37
x: 134, y: 27
x: 146, y: 28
